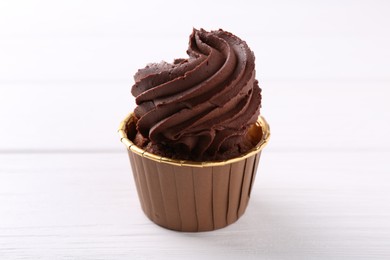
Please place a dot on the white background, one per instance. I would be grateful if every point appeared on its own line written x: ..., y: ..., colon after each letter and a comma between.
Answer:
x: 66, y: 68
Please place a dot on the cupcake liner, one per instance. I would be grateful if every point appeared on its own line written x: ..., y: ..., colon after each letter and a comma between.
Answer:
x: 193, y: 196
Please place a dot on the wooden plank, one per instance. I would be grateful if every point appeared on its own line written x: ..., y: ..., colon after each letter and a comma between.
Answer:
x: 303, y: 205
x: 85, y: 115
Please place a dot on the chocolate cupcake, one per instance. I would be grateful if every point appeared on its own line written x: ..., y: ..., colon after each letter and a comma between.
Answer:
x: 195, y: 138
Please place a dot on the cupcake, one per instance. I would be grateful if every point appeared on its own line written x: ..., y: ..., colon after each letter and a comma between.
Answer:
x: 195, y: 137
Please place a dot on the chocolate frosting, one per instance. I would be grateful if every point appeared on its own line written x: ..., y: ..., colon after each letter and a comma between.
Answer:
x: 199, y: 108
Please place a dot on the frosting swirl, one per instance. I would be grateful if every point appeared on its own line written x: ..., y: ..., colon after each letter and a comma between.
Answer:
x: 199, y: 108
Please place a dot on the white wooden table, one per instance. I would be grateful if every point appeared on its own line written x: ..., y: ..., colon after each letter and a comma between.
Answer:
x: 66, y: 188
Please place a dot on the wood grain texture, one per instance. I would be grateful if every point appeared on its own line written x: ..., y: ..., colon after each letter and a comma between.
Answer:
x: 323, y: 205
x: 322, y: 190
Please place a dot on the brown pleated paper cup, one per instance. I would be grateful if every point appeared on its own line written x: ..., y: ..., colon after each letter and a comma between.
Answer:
x: 193, y: 196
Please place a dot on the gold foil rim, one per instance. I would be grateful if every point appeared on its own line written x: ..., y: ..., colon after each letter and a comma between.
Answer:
x: 261, y: 122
